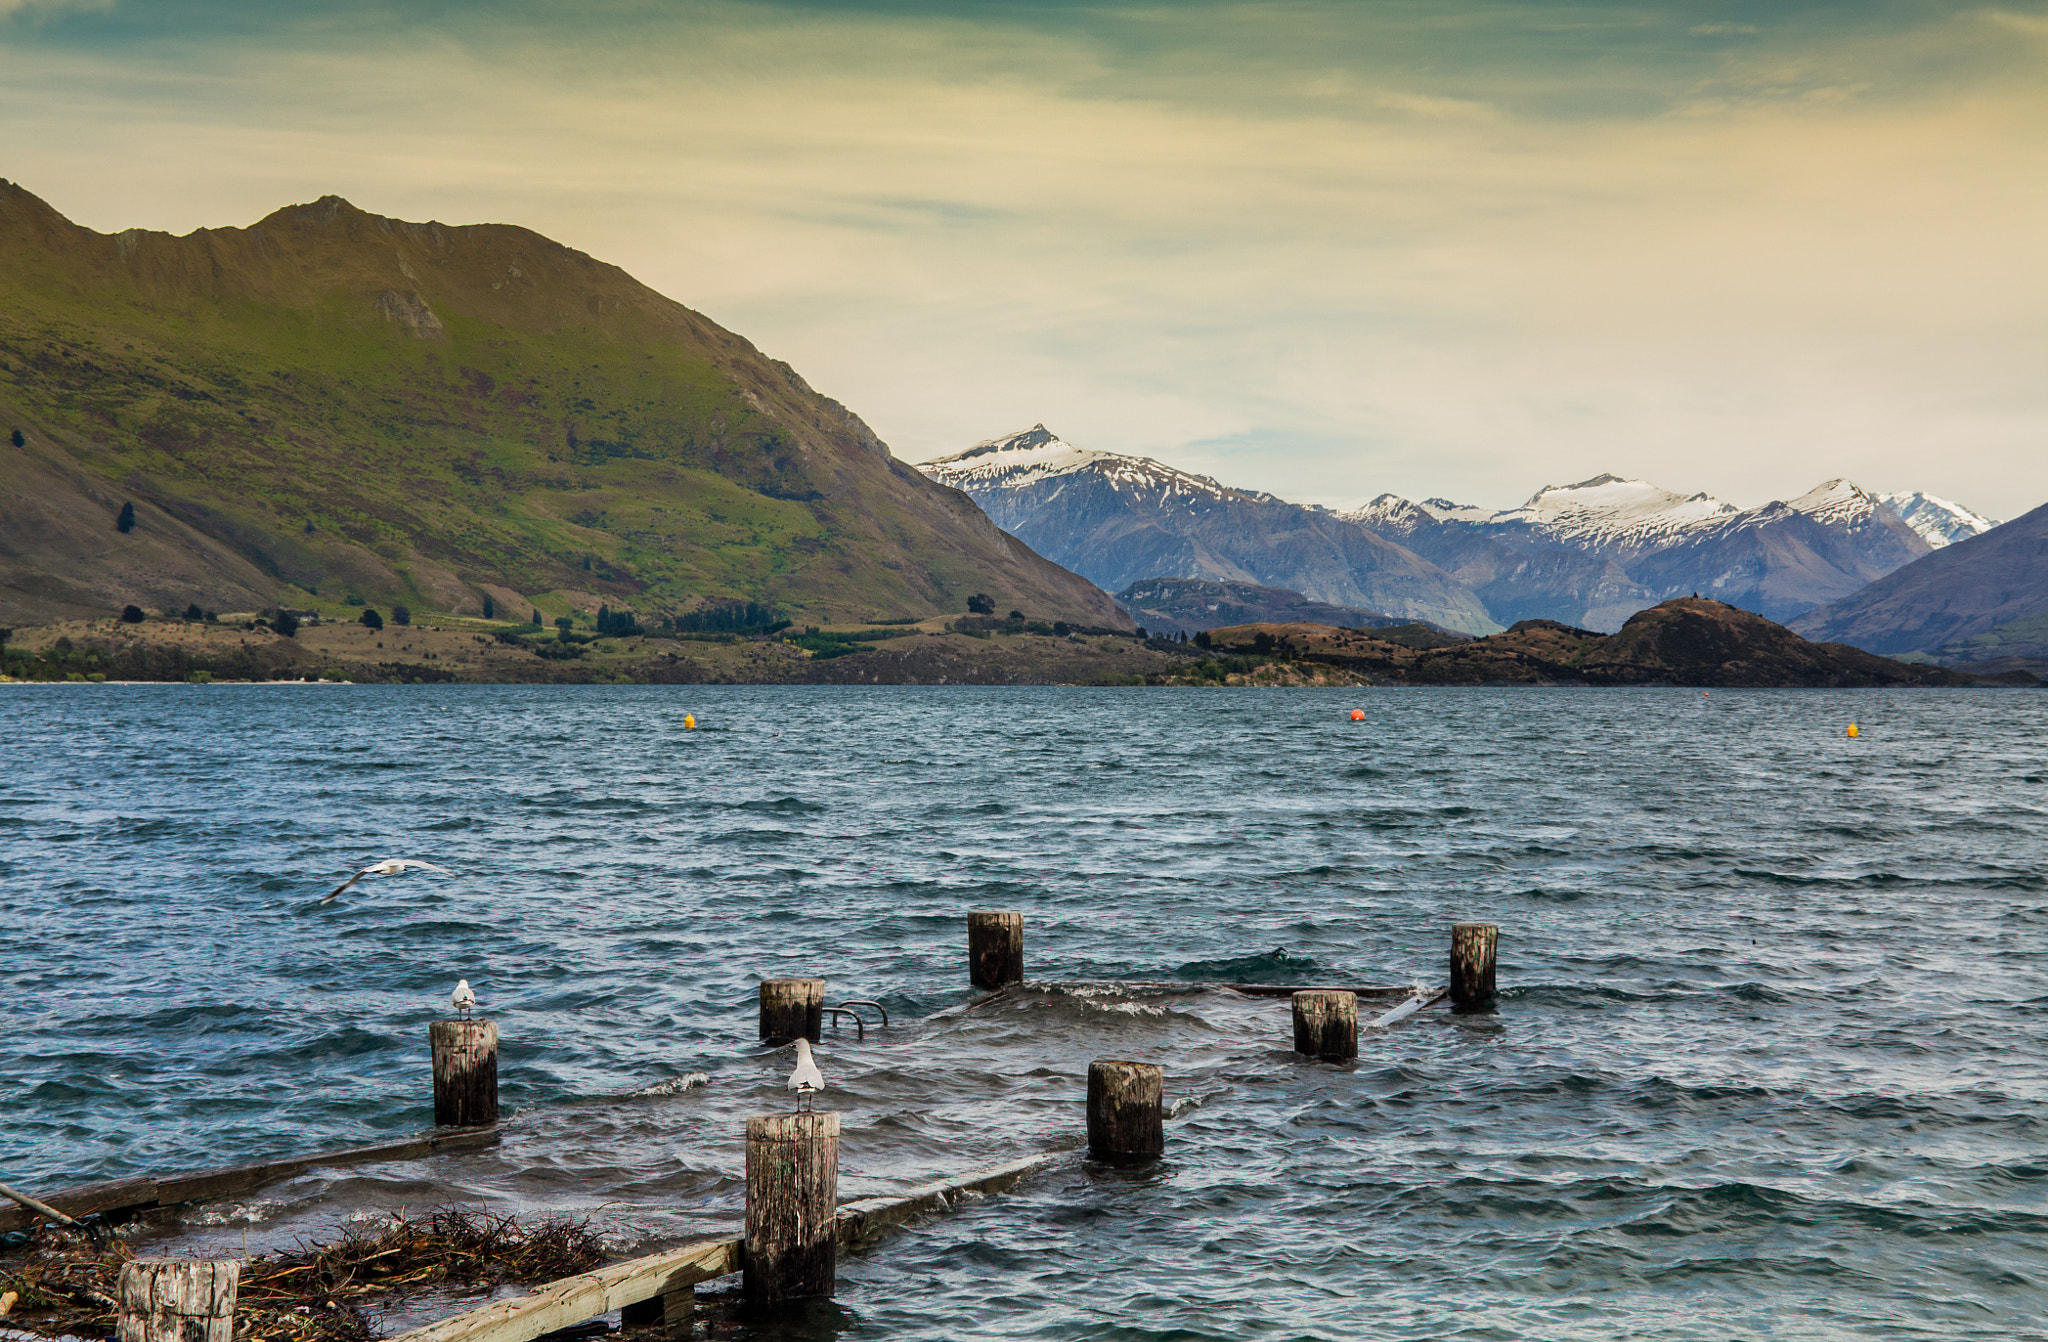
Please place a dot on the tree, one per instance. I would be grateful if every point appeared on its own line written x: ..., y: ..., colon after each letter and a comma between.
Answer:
x: 1016, y: 615
x: 1202, y: 639
x: 565, y: 624
x: 401, y: 615
x: 132, y: 615
x: 19, y: 441
x: 538, y: 622
x: 981, y: 603
x: 125, y: 523
x: 490, y: 608
x: 192, y: 612
x: 371, y: 618
x: 285, y: 623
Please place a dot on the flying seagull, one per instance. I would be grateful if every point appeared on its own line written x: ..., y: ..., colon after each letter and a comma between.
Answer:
x: 463, y: 999
x: 390, y: 866
x: 806, y: 1079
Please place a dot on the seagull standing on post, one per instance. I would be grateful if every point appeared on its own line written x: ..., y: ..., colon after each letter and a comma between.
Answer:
x: 806, y: 1080
x: 390, y: 866
x: 463, y: 999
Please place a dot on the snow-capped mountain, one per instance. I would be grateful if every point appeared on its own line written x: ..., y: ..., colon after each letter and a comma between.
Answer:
x: 1588, y: 554
x: 1937, y: 521
x: 1116, y: 520
x: 1780, y: 559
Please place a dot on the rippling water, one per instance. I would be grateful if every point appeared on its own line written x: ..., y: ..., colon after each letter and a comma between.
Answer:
x: 1771, y: 1055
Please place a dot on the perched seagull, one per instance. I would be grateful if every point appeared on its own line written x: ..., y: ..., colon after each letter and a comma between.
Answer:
x: 806, y: 1079
x: 463, y: 999
x: 390, y: 866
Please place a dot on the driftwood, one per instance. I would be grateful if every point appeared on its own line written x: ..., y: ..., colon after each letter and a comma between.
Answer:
x: 563, y: 1304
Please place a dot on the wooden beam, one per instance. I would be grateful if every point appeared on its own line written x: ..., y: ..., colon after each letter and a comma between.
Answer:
x: 116, y: 1195
x: 563, y: 1304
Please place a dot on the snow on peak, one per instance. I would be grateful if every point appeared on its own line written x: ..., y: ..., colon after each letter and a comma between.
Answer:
x: 1938, y: 521
x: 1021, y: 460
x: 1608, y: 510
x: 1036, y: 452
x: 1836, y: 502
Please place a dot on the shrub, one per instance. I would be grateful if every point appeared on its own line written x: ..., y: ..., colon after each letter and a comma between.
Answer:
x: 371, y: 618
x: 981, y: 603
x: 285, y: 623
x: 212, y: 617
x: 125, y: 523
x: 192, y: 612
x: 19, y: 441
x: 401, y: 615
x: 199, y: 677
x: 132, y: 615
x: 1016, y: 615
x: 1060, y: 629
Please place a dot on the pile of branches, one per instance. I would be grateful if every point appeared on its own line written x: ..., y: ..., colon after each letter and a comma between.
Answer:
x: 65, y: 1283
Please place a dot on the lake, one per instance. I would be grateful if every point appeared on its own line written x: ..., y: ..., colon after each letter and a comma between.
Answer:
x: 1770, y: 1055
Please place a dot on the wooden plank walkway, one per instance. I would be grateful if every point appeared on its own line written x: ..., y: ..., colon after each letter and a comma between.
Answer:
x: 565, y: 1303
x: 137, y: 1194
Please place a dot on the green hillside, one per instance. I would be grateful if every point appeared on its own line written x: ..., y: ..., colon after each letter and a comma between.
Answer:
x: 331, y: 404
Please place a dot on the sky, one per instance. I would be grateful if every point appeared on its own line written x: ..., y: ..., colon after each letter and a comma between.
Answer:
x: 1327, y: 250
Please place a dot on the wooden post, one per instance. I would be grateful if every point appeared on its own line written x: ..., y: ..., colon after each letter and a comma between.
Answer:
x: 1326, y: 1023
x: 1124, y: 1118
x: 792, y: 1009
x: 177, y: 1300
x: 792, y: 1206
x: 1472, y: 949
x: 465, y: 1072
x: 995, y: 947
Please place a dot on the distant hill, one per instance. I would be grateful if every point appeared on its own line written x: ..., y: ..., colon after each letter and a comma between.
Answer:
x: 332, y: 404
x: 1981, y: 603
x: 1684, y: 641
x: 1118, y: 520
x: 1189, y: 605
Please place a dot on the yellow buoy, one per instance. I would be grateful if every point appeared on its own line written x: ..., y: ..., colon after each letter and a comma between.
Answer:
x: 1853, y: 731
x: 690, y: 723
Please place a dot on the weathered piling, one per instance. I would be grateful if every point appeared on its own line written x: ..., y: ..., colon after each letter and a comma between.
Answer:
x: 465, y: 1072
x: 792, y: 1206
x: 1326, y: 1023
x: 177, y: 1300
x: 1124, y: 1118
x: 1472, y: 951
x: 995, y: 947
x: 792, y: 1009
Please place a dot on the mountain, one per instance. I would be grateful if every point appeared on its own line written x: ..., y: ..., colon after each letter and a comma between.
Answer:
x: 1594, y: 552
x: 332, y: 405
x: 1980, y: 603
x: 1687, y: 641
x: 1116, y: 520
x: 1190, y: 605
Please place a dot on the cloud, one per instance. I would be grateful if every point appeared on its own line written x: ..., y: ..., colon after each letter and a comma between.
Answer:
x: 1310, y: 251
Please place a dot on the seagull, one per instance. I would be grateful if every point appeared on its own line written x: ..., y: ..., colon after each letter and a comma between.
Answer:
x: 806, y: 1079
x: 463, y: 999
x: 390, y: 866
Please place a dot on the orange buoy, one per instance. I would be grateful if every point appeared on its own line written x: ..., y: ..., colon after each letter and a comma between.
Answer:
x: 1358, y: 715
